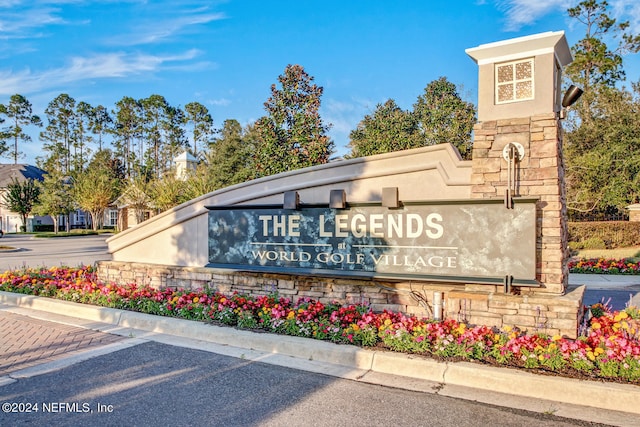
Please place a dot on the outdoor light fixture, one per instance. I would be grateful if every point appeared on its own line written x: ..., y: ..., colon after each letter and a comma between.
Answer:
x: 570, y: 97
x: 337, y: 199
x: 291, y: 200
x: 390, y: 197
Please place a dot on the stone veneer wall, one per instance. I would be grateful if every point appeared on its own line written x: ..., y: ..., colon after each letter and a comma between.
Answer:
x: 540, y: 174
x: 548, y: 314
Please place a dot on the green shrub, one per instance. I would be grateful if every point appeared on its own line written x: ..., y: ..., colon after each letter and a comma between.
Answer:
x: 613, y: 234
x: 594, y: 243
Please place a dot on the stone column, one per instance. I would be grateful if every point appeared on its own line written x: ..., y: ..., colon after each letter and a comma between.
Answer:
x: 540, y: 174
x: 519, y: 103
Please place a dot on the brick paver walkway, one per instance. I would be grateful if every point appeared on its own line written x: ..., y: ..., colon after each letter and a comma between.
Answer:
x: 26, y: 342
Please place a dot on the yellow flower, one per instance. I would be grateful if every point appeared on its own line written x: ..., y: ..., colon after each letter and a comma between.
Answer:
x: 355, y: 327
x: 621, y: 315
x: 596, y: 325
x: 598, y: 351
x: 291, y: 315
x: 591, y: 356
x: 461, y: 328
x: 196, y: 299
x: 556, y: 338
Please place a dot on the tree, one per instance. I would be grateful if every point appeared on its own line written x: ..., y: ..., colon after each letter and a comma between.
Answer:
x: 100, y: 122
x: 81, y: 137
x: 97, y: 187
x: 229, y: 156
x: 167, y: 192
x: 601, y: 144
x: 443, y: 117
x: 602, y: 160
x: 55, y: 197
x: 154, y: 109
x: 20, y: 113
x: 21, y: 197
x: 292, y: 135
x: 128, y: 127
x: 388, y: 129
x: 3, y: 140
x: 59, y: 132
x: 594, y: 62
x: 201, y: 122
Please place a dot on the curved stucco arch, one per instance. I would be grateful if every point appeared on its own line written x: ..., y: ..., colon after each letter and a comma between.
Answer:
x: 179, y: 236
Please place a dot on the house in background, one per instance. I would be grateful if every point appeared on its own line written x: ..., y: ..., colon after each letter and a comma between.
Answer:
x: 10, y: 222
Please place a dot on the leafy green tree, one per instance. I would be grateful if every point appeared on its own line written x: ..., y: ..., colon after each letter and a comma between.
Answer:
x: 444, y: 117
x: 230, y: 155
x: 388, y: 129
x: 602, y: 154
x: 55, y: 197
x: 292, y: 135
x: 601, y: 144
x: 167, y: 192
x: 201, y: 122
x: 228, y: 161
x: 21, y: 197
x: 97, y: 187
x: 20, y: 113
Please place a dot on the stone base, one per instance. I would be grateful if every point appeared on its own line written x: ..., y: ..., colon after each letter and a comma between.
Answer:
x: 473, y: 304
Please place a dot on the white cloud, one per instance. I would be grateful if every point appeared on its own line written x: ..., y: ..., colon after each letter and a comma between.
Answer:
x: 108, y: 65
x: 15, y: 23
x: 627, y: 10
x: 157, y: 30
x: 221, y: 102
x: 519, y: 13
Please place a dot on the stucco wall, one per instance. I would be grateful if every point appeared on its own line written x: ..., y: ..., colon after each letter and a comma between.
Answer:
x: 180, y: 236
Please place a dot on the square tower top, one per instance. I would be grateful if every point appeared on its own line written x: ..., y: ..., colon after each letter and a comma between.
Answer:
x: 520, y: 77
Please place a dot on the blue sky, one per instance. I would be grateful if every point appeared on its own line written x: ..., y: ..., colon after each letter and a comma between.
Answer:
x: 226, y: 54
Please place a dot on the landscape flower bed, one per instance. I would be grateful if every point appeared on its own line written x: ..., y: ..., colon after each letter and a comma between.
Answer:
x: 604, y: 266
x: 608, y: 346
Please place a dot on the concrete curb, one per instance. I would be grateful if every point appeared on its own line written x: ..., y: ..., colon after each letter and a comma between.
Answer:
x: 592, y: 394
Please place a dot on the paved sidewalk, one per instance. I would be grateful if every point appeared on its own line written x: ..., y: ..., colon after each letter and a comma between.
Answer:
x: 26, y: 342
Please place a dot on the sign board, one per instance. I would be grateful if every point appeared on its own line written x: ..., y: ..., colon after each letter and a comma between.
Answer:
x: 462, y: 241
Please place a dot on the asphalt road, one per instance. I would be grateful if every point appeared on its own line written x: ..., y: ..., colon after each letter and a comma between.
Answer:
x: 157, y: 384
x: 39, y: 252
